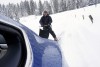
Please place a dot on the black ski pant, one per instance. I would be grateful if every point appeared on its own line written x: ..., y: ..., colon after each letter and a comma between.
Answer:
x: 50, y: 30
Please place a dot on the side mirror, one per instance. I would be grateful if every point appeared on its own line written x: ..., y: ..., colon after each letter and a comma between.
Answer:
x: 12, y: 41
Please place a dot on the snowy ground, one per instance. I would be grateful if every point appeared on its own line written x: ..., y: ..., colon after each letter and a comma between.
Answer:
x: 79, y: 38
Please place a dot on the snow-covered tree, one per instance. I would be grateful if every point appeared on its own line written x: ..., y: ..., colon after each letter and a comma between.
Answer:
x: 64, y: 7
x: 22, y: 9
x: 46, y: 6
x: 40, y: 7
x: 32, y: 7
x: 91, y: 2
x: 10, y: 12
x: 54, y: 5
x: 68, y: 5
x: 27, y: 7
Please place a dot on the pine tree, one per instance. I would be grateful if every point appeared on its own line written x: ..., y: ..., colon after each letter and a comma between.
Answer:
x: 61, y: 6
x: 50, y: 9
x: 77, y: 4
x: 27, y: 7
x: 40, y: 7
x: 32, y: 7
x: 46, y: 6
x: 4, y: 9
x: 64, y: 5
x: 10, y: 10
x: 91, y: 2
x: 23, y: 9
x: 17, y: 12
x: 55, y: 3
x: 69, y: 5
x: 96, y: 1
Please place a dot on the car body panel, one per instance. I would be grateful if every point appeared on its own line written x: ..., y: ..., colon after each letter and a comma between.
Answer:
x: 40, y: 52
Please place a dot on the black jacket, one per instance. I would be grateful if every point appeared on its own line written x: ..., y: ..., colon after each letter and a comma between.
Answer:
x: 45, y: 20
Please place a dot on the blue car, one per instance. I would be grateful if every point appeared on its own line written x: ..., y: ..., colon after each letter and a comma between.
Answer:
x: 21, y: 47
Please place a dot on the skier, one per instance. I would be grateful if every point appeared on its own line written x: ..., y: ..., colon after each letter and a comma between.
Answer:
x: 91, y: 18
x: 45, y: 22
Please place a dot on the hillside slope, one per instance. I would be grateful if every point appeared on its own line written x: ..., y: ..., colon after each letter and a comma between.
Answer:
x: 79, y: 37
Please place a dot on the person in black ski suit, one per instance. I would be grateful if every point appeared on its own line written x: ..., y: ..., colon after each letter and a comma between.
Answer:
x: 45, y: 22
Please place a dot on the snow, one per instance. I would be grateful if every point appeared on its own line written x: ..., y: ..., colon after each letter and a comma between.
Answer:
x: 78, y: 37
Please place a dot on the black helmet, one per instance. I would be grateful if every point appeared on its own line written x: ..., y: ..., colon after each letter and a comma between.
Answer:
x: 45, y: 11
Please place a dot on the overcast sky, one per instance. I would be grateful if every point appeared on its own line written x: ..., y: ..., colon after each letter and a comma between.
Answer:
x: 14, y: 1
